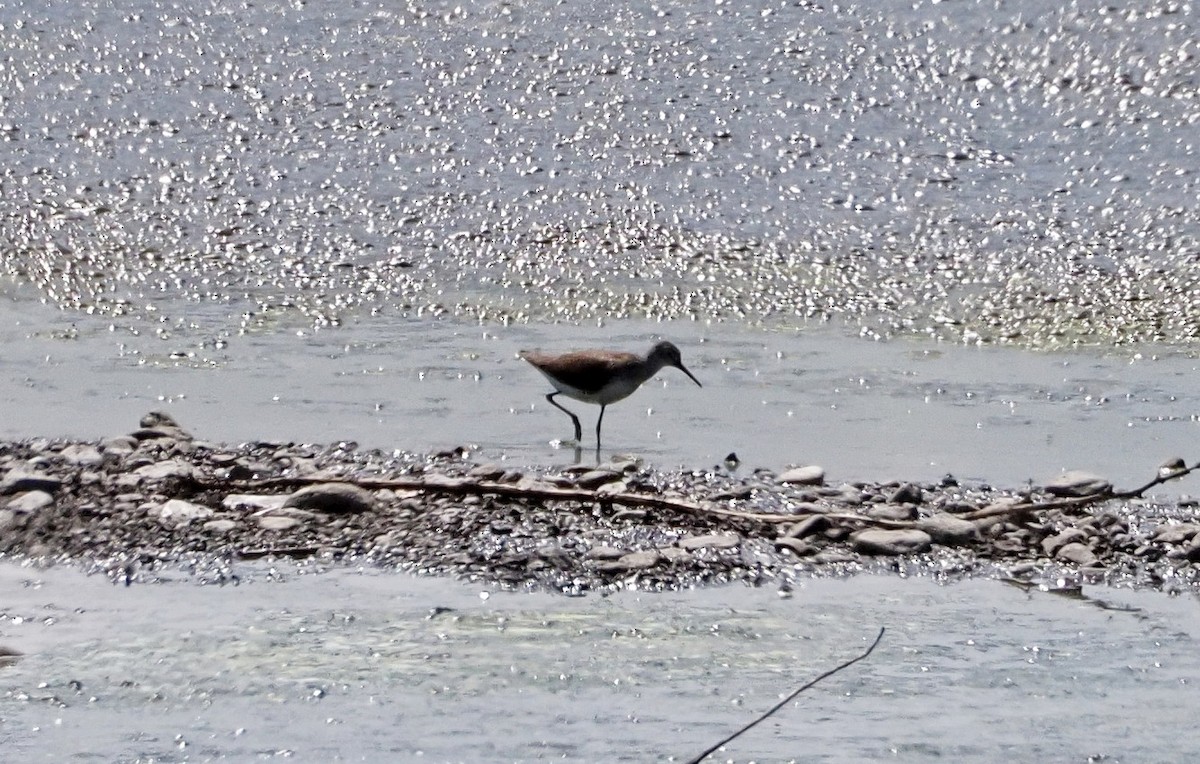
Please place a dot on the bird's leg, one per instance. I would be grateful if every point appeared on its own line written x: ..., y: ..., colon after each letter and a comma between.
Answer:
x: 574, y: 419
x: 598, y: 421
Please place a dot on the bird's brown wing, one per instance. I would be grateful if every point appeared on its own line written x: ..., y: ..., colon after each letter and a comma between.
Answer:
x: 586, y: 370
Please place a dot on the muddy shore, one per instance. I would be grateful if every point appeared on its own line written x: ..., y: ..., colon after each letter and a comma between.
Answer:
x: 158, y: 499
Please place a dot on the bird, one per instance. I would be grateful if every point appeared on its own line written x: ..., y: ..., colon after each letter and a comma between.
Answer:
x: 601, y: 376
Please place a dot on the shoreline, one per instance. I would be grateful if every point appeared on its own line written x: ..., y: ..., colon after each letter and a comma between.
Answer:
x: 159, y: 499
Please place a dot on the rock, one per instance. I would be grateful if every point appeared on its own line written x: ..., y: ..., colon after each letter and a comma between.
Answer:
x: 891, y: 542
x: 165, y: 470
x: 159, y: 424
x: 18, y: 481
x: 219, y: 526
x: 907, y: 494
x: 1176, y: 534
x: 673, y: 554
x: 486, y: 472
x: 893, y: 512
x: 810, y: 475
x: 277, y: 523
x: 1053, y: 544
x: 631, y: 562
x: 807, y: 527
x: 957, y: 507
x: 711, y: 541
x: 595, y: 478
x: 1077, y: 553
x: 604, y: 553
x: 29, y: 502
x: 256, y: 502
x: 121, y: 445
x: 180, y: 512
x: 949, y: 530
x: 81, y: 454
x: 796, y: 546
x: 1078, y: 483
x: 335, y: 498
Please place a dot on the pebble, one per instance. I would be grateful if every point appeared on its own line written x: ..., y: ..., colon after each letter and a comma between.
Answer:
x: 120, y: 445
x: 82, y: 454
x: 253, y: 502
x: 900, y: 512
x: 220, y: 525
x: 334, y: 498
x: 909, y: 493
x: 17, y: 481
x: 949, y: 530
x: 277, y: 523
x: 180, y: 512
x: 164, y: 470
x: 29, y: 502
x: 1053, y: 544
x: 593, y: 479
x: 1078, y: 553
x: 1077, y: 483
x: 796, y: 546
x: 631, y: 562
x: 810, y: 475
x: 807, y: 527
x: 891, y: 542
x: 711, y: 541
x: 1176, y: 534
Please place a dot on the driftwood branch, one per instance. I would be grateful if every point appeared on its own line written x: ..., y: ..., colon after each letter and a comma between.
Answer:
x: 1164, y: 476
x: 712, y: 749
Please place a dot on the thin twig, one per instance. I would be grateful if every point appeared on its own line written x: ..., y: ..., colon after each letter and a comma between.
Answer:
x: 788, y: 699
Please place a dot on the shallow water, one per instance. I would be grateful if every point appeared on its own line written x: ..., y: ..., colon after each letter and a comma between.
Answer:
x: 354, y: 666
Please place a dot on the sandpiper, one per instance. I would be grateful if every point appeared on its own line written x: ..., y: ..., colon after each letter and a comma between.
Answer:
x: 602, y: 376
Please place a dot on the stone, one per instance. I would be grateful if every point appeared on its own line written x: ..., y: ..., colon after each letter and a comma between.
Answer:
x: 180, y: 512
x: 18, y: 481
x: 220, y: 525
x: 277, y: 523
x: 164, y: 470
x: 796, y: 546
x: 1052, y: 544
x: 948, y: 530
x: 256, y: 502
x: 486, y: 472
x: 595, y: 478
x: 711, y: 541
x: 1076, y: 483
x: 907, y: 494
x: 673, y: 554
x: 810, y: 475
x: 631, y: 562
x: 893, y: 512
x: 1176, y: 534
x: 121, y: 445
x: 159, y: 424
x: 334, y: 498
x: 604, y: 553
x: 891, y: 542
x: 1077, y: 553
x: 807, y: 527
x: 29, y: 502
x: 82, y: 454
